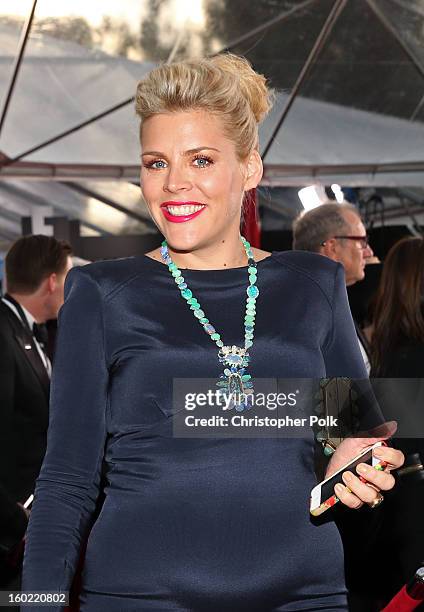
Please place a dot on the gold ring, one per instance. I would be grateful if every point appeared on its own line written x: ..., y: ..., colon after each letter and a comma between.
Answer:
x: 377, y: 501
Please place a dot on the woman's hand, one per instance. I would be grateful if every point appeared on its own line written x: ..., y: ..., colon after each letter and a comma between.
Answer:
x: 355, y: 492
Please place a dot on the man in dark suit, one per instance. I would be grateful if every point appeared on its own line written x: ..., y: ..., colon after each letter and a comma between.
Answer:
x: 337, y: 231
x: 36, y: 267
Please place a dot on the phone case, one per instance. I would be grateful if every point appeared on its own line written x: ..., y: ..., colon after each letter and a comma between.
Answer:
x: 325, y: 489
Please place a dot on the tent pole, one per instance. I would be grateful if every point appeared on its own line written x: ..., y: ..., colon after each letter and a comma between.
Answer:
x: 265, y: 26
x: 414, y: 58
x: 326, y: 29
x: 22, y: 44
x: 382, y: 17
x: 92, y: 193
x: 9, y: 161
x: 417, y: 109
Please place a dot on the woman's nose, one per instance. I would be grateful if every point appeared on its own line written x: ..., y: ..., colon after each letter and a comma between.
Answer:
x: 177, y: 179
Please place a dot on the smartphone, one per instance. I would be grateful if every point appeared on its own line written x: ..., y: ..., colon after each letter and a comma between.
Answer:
x: 28, y: 502
x: 323, y: 496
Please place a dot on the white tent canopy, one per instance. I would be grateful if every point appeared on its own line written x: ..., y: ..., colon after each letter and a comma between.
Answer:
x: 62, y: 85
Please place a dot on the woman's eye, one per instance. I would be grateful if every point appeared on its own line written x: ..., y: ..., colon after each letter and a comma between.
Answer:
x: 202, y: 162
x: 158, y: 164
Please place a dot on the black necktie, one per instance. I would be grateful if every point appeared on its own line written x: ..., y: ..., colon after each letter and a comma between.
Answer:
x: 40, y: 333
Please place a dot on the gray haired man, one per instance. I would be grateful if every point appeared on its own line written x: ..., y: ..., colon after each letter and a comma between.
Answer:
x: 336, y: 231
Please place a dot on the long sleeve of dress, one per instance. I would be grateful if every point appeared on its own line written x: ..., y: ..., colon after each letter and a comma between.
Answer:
x: 343, y: 357
x: 68, y: 484
x: 341, y: 352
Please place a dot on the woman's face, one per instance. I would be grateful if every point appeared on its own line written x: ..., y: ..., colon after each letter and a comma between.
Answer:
x: 192, y: 179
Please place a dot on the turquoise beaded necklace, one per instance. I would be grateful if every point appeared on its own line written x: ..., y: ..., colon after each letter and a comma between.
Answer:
x: 234, y: 381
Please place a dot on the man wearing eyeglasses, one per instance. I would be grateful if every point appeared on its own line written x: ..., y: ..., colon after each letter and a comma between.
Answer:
x: 336, y: 231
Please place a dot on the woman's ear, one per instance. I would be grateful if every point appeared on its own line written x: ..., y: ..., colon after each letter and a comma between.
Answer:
x: 254, y: 172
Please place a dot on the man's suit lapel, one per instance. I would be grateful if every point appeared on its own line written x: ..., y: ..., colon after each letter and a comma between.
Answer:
x: 27, y: 346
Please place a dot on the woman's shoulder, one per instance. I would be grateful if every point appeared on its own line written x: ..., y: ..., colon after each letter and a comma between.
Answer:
x: 305, y: 260
x: 109, y: 274
x: 314, y: 267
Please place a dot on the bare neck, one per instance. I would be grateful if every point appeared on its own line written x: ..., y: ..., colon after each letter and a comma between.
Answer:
x: 226, y: 254
x: 33, y: 303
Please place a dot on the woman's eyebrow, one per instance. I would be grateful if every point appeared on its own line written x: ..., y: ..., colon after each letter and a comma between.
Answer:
x: 198, y: 149
x: 157, y: 153
x: 189, y: 152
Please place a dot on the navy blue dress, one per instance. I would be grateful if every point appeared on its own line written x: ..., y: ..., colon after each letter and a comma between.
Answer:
x: 187, y: 524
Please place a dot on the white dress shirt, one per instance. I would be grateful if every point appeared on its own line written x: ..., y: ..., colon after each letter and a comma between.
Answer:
x: 364, y: 355
x: 31, y: 322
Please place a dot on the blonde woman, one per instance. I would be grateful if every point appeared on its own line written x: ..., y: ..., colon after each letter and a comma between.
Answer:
x: 193, y: 524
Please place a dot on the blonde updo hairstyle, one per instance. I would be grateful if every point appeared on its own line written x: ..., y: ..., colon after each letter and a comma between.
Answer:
x: 225, y: 85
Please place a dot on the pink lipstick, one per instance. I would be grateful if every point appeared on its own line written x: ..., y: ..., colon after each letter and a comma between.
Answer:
x: 179, y: 212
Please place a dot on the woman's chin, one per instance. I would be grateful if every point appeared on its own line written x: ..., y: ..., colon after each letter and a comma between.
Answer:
x: 177, y: 241
x: 182, y: 246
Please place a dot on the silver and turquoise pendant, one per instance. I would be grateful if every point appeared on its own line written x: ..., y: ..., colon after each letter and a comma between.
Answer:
x: 235, y: 382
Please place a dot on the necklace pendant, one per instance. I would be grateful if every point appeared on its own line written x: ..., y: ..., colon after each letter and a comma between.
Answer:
x: 235, y: 383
